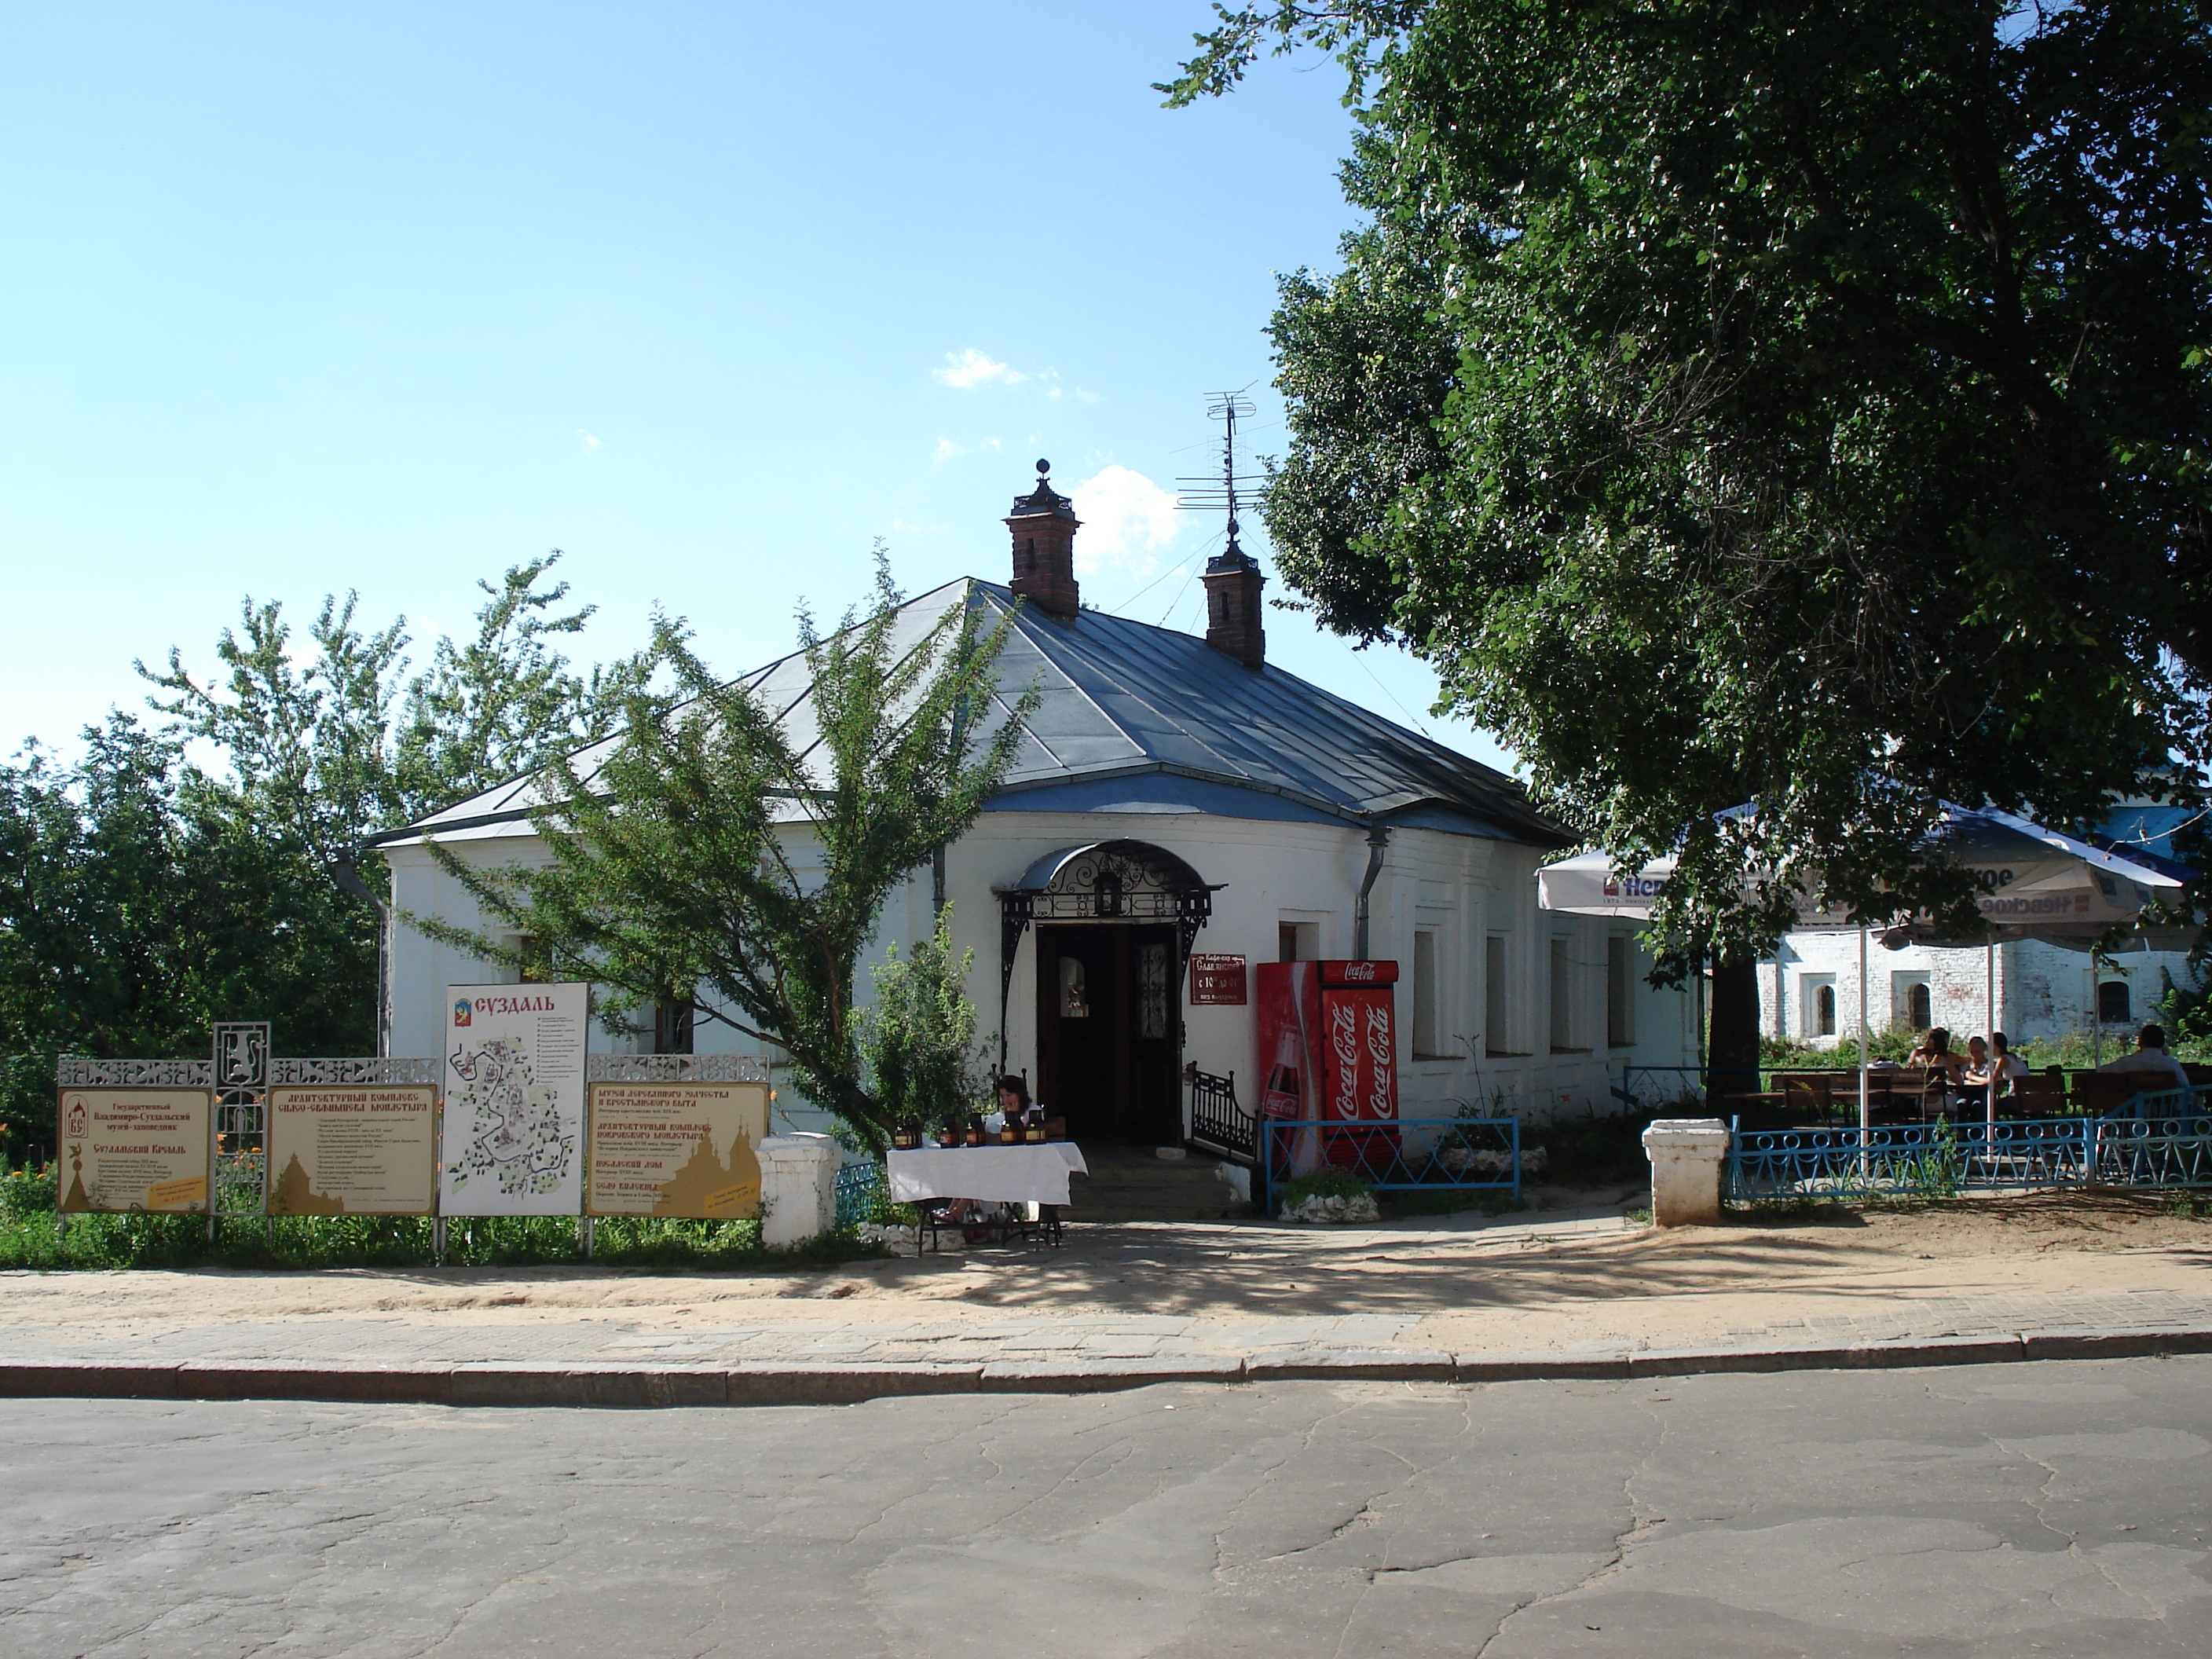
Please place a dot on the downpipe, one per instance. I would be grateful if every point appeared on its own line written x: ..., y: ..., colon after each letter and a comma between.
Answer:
x: 1379, y: 842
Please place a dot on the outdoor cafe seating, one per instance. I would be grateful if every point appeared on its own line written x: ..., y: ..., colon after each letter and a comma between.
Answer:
x: 999, y: 1186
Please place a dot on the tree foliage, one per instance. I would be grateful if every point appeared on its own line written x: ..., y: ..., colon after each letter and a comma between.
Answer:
x: 918, y: 1038
x: 143, y: 896
x: 739, y: 853
x: 1804, y: 406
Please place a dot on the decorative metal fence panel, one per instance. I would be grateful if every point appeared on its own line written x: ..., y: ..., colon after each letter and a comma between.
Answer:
x: 675, y: 1069
x: 1218, y: 1124
x: 355, y: 1071
x: 1421, y: 1154
x: 2156, y: 1140
x: 859, y: 1186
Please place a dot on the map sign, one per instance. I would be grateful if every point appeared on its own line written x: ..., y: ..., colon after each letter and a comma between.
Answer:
x: 135, y: 1149
x: 514, y: 1100
x: 676, y: 1149
x: 353, y: 1149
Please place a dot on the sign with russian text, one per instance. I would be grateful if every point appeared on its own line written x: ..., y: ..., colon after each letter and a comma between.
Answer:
x: 134, y: 1149
x: 353, y: 1149
x: 512, y: 1138
x: 1217, y: 981
x: 676, y: 1149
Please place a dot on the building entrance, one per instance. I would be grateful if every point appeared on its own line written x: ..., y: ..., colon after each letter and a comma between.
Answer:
x: 1109, y: 1034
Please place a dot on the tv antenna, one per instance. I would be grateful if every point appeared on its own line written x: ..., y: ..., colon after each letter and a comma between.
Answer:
x: 1221, y: 494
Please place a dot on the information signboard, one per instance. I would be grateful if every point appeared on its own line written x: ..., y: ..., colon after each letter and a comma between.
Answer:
x: 513, y: 1136
x: 1217, y: 980
x: 676, y: 1149
x: 368, y: 1149
x: 134, y: 1149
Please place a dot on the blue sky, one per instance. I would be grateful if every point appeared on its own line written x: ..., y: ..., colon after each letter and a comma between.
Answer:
x: 389, y: 298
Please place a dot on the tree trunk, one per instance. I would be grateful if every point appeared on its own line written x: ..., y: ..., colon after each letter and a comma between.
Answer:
x: 1732, y: 1045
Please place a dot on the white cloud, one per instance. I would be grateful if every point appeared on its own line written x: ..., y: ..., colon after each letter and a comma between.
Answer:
x: 946, y: 449
x: 1126, y: 519
x: 911, y: 527
x: 590, y: 443
x: 971, y: 368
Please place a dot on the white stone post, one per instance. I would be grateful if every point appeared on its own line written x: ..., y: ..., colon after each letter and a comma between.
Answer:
x: 799, y: 1188
x: 1686, y: 1154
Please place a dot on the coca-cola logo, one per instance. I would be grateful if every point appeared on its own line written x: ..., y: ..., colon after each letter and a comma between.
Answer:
x: 1378, y: 1052
x: 1344, y: 1043
x: 1360, y: 970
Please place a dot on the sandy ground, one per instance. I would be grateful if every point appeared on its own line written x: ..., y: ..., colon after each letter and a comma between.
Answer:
x: 1525, y: 1284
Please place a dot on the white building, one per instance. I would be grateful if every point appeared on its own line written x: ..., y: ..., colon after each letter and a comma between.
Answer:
x: 1810, y: 990
x: 1175, y: 794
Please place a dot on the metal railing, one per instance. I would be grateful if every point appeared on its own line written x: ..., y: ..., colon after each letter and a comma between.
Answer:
x: 1436, y: 1155
x: 1218, y: 1124
x: 858, y: 1185
x: 2161, y: 1140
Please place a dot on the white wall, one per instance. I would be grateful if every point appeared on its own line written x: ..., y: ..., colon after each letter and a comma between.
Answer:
x: 2044, y: 991
x: 1462, y: 888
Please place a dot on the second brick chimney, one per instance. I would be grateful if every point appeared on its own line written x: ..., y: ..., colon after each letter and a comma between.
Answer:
x: 1233, y: 582
x: 1044, y: 524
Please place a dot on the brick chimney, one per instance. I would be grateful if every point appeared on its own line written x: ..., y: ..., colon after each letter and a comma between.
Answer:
x: 1233, y: 582
x: 1044, y: 524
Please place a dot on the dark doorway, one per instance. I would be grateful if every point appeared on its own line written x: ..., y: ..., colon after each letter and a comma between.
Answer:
x: 1109, y: 1036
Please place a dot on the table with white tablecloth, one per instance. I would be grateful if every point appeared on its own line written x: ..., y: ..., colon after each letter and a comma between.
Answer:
x: 1033, y: 1172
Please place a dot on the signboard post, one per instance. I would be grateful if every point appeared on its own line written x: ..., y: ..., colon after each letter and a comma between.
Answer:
x: 134, y: 1149
x: 514, y: 1100
x: 676, y: 1149
x: 366, y: 1149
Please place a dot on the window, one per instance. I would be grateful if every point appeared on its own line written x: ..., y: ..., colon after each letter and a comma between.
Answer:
x: 1424, y: 995
x: 1494, y: 1031
x: 1297, y: 941
x: 1817, y: 1015
x: 672, y: 1026
x: 533, y: 974
x: 1911, y: 1004
x: 1563, y: 1028
x: 1619, y: 992
x: 1286, y: 941
x: 2113, y: 1007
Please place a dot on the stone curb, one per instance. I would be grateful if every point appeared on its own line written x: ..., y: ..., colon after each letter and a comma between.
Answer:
x: 768, y: 1383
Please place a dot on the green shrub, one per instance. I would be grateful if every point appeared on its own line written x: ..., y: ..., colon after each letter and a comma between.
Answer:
x: 1322, y: 1183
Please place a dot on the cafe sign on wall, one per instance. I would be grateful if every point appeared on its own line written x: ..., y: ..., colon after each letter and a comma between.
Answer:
x: 1217, y: 981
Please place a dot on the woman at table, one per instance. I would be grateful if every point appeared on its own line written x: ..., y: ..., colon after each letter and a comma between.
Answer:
x: 1015, y: 1107
x: 1934, y: 1053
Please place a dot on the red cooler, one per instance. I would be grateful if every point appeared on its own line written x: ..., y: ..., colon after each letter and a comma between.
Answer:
x: 1327, y: 1052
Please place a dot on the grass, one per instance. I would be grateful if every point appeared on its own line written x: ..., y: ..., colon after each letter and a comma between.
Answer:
x: 30, y: 1239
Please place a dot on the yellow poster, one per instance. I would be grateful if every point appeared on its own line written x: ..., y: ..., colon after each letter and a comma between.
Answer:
x: 135, y: 1149
x: 676, y: 1149
x: 353, y: 1149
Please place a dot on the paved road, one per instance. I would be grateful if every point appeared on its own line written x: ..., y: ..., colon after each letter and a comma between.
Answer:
x: 2058, y: 1508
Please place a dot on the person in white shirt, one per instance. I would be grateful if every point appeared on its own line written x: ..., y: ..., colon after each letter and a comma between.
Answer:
x: 2151, y: 1061
x: 2002, y: 1066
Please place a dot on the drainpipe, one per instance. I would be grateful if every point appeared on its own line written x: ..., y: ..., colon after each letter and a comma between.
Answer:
x: 348, y: 880
x: 1378, y: 840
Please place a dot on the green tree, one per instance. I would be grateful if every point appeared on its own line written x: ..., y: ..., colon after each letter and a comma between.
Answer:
x: 142, y: 898
x: 743, y: 852
x: 918, y: 1038
x: 1797, y: 405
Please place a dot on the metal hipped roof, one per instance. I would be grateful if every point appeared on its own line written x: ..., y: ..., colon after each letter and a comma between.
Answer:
x: 1118, y: 699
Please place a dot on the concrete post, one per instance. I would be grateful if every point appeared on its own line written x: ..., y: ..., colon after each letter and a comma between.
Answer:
x: 1686, y: 1154
x: 799, y: 1188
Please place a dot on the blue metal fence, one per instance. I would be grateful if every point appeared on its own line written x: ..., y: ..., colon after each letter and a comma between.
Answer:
x: 857, y: 1185
x: 2161, y: 1140
x: 1418, y: 1154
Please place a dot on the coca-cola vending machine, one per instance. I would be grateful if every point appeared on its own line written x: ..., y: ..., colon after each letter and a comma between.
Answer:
x: 1328, y: 1054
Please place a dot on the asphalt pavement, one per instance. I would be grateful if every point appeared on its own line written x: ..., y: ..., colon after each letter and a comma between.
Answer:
x: 2055, y: 1508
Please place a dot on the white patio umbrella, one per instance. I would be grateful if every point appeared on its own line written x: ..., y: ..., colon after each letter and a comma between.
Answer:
x: 2039, y: 884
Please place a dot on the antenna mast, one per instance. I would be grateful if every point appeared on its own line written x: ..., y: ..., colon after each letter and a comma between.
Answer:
x: 1222, y: 493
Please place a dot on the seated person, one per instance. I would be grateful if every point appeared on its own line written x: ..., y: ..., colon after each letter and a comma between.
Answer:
x: 1934, y: 1053
x: 2001, y: 1065
x: 2151, y: 1061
